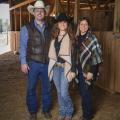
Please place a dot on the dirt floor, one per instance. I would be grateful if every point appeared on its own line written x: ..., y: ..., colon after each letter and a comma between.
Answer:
x: 13, y: 91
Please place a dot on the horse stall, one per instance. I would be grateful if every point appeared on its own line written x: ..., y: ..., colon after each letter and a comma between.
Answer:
x: 102, y: 22
x: 109, y: 70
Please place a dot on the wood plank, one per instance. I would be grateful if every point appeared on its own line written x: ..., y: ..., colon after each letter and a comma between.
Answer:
x: 15, y: 19
x: 21, y: 4
x: 76, y: 11
x: 117, y: 63
x: 57, y: 8
x: 117, y: 16
x: 20, y: 17
x: 90, y: 4
x: 107, y: 68
x: 12, y: 40
x: 68, y: 7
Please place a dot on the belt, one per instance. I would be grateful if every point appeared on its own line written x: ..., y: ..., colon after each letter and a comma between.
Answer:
x: 58, y: 64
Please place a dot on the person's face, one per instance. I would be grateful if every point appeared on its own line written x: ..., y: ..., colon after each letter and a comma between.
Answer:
x: 39, y: 14
x: 62, y: 25
x: 83, y: 26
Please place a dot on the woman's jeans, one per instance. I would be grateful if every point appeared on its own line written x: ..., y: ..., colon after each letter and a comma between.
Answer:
x: 85, y: 92
x: 62, y: 86
x: 38, y: 71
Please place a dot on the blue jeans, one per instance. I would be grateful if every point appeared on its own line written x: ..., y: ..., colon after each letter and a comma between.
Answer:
x: 62, y: 86
x: 38, y: 71
x: 86, y: 96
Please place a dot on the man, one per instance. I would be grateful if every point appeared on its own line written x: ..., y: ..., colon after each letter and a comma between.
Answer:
x: 34, y: 46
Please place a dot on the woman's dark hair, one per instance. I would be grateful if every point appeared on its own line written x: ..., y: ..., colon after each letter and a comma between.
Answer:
x: 55, y: 33
x: 85, y: 18
x: 82, y: 19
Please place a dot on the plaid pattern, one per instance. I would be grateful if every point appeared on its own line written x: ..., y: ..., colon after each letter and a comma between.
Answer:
x: 90, y: 52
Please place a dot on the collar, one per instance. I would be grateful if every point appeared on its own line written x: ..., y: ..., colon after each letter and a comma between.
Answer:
x: 40, y: 28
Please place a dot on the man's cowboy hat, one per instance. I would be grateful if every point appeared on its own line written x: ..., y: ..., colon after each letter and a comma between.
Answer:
x: 38, y: 4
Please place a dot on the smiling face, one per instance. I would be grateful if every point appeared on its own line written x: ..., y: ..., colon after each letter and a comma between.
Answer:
x: 83, y: 26
x: 39, y: 14
x: 63, y: 25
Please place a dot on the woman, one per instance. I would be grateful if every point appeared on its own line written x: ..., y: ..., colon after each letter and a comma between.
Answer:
x: 61, y: 69
x: 88, y: 59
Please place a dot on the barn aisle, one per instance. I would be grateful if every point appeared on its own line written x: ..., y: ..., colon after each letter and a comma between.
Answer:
x: 12, y: 95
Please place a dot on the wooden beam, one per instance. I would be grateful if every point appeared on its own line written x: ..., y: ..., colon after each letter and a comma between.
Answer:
x: 68, y: 6
x: 22, y: 4
x: 97, y: 4
x: 56, y: 8
x: 10, y: 3
x: 117, y: 16
x: 106, y: 3
x: 29, y: 17
x: 20, y: 17
x: 15, y: 19
x: 11, y: 21
x: 90, y: 4
x: 76, y: 11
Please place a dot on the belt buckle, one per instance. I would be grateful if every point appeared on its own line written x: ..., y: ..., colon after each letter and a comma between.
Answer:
x: 60, y: 64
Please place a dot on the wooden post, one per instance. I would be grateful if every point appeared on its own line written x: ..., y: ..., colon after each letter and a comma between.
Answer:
x: 22, y: 4
x: 57, y: 6
x: 10, y: 3
x: 117, y: 16
x: 68, y: 7
x: 29, y: 16
x: 15, y: 19
x: 11, y: 20
x: 97, y: 4
x: 76, y: 11
x: 90, y: 4
x: 20, y: 17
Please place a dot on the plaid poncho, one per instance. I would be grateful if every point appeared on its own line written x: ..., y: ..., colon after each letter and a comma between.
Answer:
x: 89, y: 52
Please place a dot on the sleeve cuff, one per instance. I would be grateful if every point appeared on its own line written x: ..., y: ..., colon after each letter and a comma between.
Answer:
x: 23, y: 61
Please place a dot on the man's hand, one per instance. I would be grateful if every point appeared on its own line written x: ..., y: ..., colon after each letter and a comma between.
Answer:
x: 24, y: 68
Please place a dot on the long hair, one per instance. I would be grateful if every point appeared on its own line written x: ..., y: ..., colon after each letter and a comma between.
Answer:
x: 78, y: 26
x: 56, y: 31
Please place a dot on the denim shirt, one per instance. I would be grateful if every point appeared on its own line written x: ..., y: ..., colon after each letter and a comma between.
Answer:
x: 24, y: 40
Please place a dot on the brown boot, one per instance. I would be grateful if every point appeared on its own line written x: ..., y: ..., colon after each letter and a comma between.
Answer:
x: 33, y: 116
x: 82, y: 118
x: 47, y: 115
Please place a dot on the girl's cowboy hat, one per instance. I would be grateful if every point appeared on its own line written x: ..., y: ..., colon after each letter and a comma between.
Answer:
x: 63, y: 17
x: 38, y: 4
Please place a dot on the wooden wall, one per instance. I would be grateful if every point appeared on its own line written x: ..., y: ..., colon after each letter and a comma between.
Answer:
x: 14, y: 41
x: 117, y: 16
x: 101, y: 20
x: 110, y: 68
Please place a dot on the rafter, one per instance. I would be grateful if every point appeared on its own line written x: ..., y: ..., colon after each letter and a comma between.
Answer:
x: 22, y: 4
x: 107, y: 2
x: 89, y: 3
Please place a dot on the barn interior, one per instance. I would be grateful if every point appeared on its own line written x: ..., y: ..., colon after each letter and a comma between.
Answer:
x: 105, y: 21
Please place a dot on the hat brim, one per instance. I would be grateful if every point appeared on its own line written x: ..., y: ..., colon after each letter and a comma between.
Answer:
x: 60, y: 20
x: 31, y: 8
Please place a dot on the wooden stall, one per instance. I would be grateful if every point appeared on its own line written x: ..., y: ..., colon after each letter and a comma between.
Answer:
x: 14, y: 38
x: 20, y: 16
x: 104, y: 18
x: 110, y: 68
